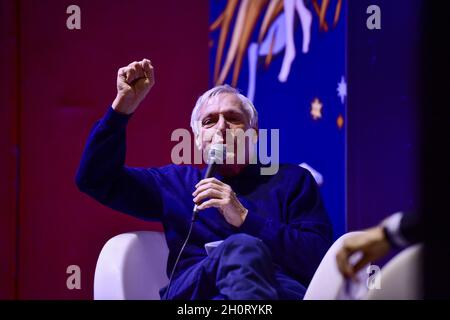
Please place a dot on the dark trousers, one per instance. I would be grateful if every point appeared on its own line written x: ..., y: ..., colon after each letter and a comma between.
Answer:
x: 240, y: 268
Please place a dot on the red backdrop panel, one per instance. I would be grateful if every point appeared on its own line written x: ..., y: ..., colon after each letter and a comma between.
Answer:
x: 9, y: 100
x: 67, y: 81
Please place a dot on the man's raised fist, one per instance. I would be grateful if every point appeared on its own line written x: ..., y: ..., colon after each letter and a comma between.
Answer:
x: 133, y: 83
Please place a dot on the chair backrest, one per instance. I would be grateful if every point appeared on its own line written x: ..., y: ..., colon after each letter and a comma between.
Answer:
x: 132, y: 266
x: 328, y: 283
x: 401, y: 278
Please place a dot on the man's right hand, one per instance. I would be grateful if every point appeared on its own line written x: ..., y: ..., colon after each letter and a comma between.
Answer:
x: 133, y: 83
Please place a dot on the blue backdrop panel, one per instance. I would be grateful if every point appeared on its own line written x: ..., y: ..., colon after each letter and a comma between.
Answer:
x: 289, y: 58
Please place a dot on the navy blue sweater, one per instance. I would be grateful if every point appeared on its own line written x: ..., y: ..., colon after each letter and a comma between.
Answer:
x: 285, y: 210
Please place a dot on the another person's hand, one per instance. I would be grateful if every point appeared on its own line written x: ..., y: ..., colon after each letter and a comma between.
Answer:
x: 220, y: 196
x: 372, y: 243
x: 133, y: 83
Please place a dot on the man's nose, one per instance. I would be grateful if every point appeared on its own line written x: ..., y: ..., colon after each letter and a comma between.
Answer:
x: 221, y: 127
x: 222, y: 124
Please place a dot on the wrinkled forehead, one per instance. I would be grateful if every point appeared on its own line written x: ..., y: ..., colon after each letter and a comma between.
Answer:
x: 223, y: 102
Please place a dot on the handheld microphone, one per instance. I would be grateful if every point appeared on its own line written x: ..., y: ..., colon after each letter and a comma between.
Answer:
x: 216, y: 155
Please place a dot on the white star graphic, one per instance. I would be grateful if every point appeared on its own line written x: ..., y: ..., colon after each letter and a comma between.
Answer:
x: 342, y: 89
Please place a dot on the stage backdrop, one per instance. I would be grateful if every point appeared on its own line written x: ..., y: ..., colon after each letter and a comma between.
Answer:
x: 65, y: 81
x: 288, y: 57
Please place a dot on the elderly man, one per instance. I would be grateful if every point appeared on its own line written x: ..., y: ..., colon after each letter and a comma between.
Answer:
x: 275, y: 227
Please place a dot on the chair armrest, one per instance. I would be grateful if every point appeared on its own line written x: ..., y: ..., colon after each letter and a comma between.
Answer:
x: 132, y: 266
x: 327, y: 282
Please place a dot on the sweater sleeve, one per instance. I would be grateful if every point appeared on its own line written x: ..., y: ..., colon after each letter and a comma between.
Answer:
x: 103, y: 175
x: 298, y: 244
x: 411, y: 227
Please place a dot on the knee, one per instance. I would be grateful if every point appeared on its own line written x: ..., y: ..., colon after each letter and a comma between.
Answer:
x: 244, y: 252
x: 242, y: 239
x: 245, y: 243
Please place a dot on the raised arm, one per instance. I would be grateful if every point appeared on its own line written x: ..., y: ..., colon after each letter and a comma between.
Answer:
x: 102, y: 173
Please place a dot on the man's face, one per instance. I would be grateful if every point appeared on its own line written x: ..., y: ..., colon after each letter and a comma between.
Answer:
x: 221, y: 113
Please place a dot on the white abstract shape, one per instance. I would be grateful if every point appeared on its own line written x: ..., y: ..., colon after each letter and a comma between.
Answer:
x: 276, y: 33
x: 306, y: 22
x: 316, y: 175
x: 252, y: 60
x: 290, y: 6
x: 280, y: 35
x: 289, y: 51
x: 342, y: 89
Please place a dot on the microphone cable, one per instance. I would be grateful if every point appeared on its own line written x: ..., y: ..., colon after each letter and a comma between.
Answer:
x: 216, y: 154
x: 193, y: 219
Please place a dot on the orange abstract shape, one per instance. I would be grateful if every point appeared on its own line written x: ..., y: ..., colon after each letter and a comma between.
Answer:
x: 273, y: 10
x: 254, y: 10
x: 321, y: 12
x: 247, y: 16
x: 234, y: 41
x: 323, y: 25
x: 224, y: 20
x: 270, y: 54
x: 340, y: 121
x: 337, y: 12
x: 216, y: 24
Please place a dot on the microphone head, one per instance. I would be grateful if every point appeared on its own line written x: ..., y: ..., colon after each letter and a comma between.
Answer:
x: 217, y: 153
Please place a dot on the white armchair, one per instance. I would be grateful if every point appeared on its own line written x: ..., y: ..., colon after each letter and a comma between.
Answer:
x: 133, y: 266
x: 400, y: 279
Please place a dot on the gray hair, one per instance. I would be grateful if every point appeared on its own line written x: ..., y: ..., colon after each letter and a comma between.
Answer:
x: 246, y: 103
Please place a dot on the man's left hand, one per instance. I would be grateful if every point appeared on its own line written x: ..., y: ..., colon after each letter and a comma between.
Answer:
x: 221, y: 196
